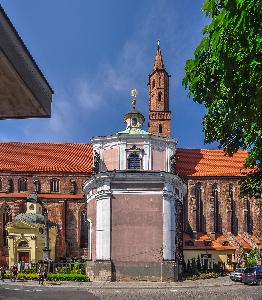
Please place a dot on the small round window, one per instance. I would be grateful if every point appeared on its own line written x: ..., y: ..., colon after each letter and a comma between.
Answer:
x: 134, y: 121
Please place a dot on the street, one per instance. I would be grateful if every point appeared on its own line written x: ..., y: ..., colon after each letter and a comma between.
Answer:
x: 213, y: 289
x: 18, y: 292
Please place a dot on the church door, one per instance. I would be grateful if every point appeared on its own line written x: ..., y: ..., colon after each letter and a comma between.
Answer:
x: 23, y: 256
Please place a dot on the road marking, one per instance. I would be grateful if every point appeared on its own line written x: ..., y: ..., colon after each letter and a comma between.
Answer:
x: 38, y: 290
x: 173, y: 290
x: 27, y: 291
x: 16, y: 289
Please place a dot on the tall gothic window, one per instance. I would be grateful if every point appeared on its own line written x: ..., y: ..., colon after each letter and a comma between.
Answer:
x: 7, y: 217
x: 84, y: 229
x: 216, y: 209
x: 199, y: 209
x: 1, y: 185
x: 54, y: 185
x: 248, y: 218
x: 134, y: 161
x: 160, y: 129
x: 22, y: 184
x: 233, y: 209
x: 153, y: 83
x: 159, y: 96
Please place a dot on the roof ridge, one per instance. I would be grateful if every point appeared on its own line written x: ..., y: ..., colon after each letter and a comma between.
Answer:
x: 47, y: 143
x: 208, y: 149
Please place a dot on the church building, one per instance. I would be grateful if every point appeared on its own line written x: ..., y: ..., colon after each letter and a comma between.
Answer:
x: 132, y: 204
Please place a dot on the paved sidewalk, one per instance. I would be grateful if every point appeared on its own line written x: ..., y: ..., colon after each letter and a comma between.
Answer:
x: 221, y: 281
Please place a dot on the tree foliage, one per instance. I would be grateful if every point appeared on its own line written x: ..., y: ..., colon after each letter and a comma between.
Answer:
x: 249, y: 257
x: 225, y: 76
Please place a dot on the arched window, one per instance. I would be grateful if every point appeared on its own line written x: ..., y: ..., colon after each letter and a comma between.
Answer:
x: 199, y: 209
x: 84, y: 229
x: 159, y: 80
x: 153, y: 83
x: 10, y: 185
x: 1, y: 185
x: 160, y: 128
x: 134, y: 161
x: 37, y: 186
x: 22, y: 184
x: 73, y: 186
x: 217, y: 227
x: 159, y: 96
x: 54, y: 185
x: 7, y: 217
x: 23, y: 244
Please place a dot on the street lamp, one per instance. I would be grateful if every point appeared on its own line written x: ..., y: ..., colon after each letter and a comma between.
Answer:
x: 46, y: 250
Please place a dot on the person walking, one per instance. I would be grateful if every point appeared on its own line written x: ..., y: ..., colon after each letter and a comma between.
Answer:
x: 14, y: 272
x: 41, y: 273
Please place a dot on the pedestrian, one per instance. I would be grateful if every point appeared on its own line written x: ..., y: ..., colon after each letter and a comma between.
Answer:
x: 45, y: 273
x: 15, y: 272
x: 2, y: 271
x: 41, y: 274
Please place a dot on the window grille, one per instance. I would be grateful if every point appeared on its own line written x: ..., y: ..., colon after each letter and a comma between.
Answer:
x: 54, y: 185
x: 134, y: 161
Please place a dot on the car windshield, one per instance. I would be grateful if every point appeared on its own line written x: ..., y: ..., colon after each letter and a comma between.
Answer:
x: 239, y: 270
x: 250, y: 270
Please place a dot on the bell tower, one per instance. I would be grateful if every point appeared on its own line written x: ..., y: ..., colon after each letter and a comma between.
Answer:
x: 158, y: 87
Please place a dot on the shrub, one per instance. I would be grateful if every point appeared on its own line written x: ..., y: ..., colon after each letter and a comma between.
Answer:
x: 66, y: 277
x: 51, y: 277
x: 203, y: 276
x: 27, y: 276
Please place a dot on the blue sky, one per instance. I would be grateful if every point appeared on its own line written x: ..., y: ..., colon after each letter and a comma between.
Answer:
x: 94, y: 52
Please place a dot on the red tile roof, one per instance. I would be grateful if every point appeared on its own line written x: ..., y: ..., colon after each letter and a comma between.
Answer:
x: 207, y: 162
x: 46, y: 157
x: 217, y: 244
x: 199, y: 244
x: 63, y: 157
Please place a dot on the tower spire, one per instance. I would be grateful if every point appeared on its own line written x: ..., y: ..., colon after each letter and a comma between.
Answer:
x: 159, y: 114
x: 158, y: 64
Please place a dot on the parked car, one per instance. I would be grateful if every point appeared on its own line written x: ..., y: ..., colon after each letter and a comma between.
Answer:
x: 252, y: 275
x: 237, y: 274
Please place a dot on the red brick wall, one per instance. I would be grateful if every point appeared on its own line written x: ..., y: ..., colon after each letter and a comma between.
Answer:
x: 44, y: 178
x: 136, y: 228
x: 225, y: 210
x: 159, y: 113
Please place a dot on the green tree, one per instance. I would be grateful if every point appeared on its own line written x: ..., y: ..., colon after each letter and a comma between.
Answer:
x: 225, y: 76
x: 249, y: 257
